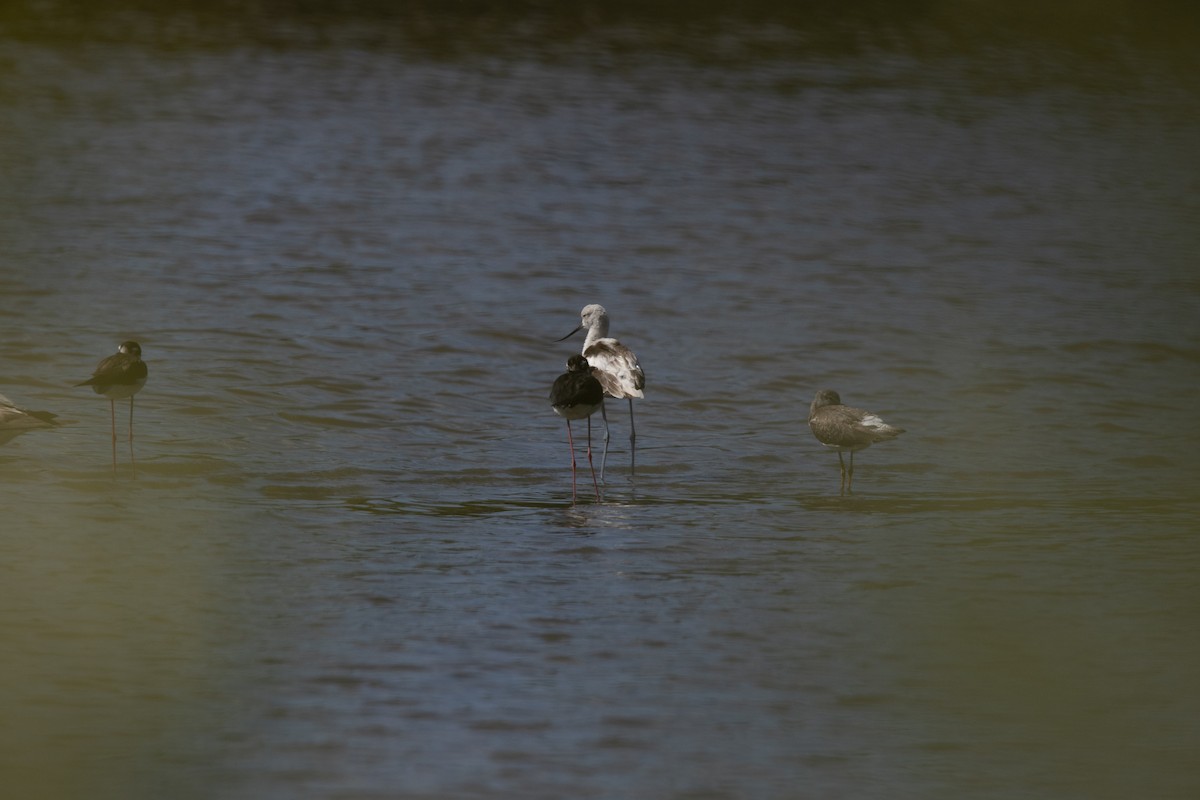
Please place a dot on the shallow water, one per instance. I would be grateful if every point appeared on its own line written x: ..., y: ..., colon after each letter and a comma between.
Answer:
x: 346, y: 562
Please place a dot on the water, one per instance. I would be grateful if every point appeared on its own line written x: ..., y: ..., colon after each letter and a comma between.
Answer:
x: 346, y: 562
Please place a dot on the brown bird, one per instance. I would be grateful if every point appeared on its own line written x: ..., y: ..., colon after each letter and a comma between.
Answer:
x: 843, y: 428
x: 121, y: 375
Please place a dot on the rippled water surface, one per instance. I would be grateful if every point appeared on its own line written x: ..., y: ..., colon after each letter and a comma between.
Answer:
x: 346, y: 563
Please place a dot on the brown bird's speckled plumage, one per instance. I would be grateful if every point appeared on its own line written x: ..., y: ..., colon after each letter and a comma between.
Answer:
x: 843, y: 428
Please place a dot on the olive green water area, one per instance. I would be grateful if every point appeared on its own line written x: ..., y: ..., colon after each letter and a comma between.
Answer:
x: 346, y: 563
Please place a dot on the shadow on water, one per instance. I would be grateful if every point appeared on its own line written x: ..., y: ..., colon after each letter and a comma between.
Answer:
x: 394, y: 506
x: 614, y: 504
x: 1008, y: 501
x: 582, y: 510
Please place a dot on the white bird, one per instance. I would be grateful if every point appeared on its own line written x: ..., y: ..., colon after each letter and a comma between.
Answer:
x: 577, y: 394
x: 843, y: 428
x: 15, y: 420
x: 617, y: 369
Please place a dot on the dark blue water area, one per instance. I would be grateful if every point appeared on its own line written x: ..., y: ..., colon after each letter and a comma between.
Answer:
x: 341, y: 557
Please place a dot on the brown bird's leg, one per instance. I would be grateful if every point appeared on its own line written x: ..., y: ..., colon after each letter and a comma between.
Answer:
x: 132, y: 462
x: 842, y: 469
x: 632, y: 441
x: 850, y: 483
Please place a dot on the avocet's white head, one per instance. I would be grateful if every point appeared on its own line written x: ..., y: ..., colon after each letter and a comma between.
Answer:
x: 594, y: 319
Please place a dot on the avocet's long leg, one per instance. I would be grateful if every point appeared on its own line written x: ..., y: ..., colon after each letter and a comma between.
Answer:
x: 595, y: 485
x: 607, y: 435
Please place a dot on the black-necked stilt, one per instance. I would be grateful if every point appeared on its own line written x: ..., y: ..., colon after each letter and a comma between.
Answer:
x: 14, y: 420
x: 577, y: 394
x: 615, y: 366
x: 121, y: 375
x: 843, y: 428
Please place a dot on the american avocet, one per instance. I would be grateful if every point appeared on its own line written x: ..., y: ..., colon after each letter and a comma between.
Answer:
x: 121, y: 375
x: 615, y: 366
x: 577, y: 394
x: 844, y: 428
x: 14, y: 420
